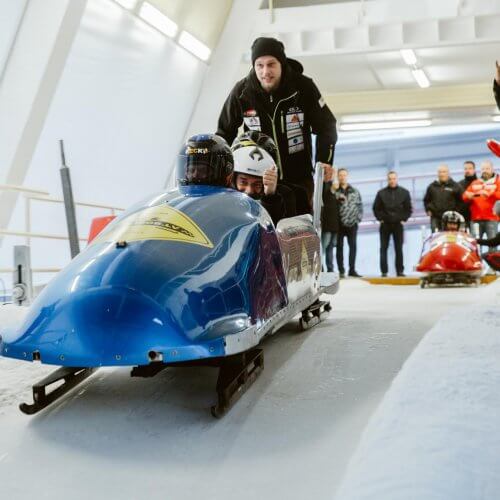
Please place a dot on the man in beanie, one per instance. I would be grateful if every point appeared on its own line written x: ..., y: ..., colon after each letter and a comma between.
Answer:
x: 278, y: 100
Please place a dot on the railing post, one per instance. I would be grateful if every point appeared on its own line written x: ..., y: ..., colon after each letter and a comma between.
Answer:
x: 27, y: 219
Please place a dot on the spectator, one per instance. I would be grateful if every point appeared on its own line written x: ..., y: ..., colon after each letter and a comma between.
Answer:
x: 469, y: 176
x: 351, y: 213
x: 441, y: 195
x: 277, y: 99
x: 392, y: 207
x: 496, y: 85
x: 481, y: 195
x: 329, y: 225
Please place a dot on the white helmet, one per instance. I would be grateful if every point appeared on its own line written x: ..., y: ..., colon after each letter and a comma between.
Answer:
x: 251, y: 159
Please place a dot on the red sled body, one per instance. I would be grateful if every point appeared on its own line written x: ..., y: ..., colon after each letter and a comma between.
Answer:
x: 448, y: 258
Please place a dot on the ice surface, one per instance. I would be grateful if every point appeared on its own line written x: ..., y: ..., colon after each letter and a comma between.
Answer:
x: 289, y: 437
x: 436, y: 435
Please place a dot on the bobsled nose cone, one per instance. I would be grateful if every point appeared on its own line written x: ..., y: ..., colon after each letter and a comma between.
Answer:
x: 96, y: 327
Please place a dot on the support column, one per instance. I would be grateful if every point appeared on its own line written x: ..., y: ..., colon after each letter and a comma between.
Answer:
x: 221, y: 76
x: 30, y: 79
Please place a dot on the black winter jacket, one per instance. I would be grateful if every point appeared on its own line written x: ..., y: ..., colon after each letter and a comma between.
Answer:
x: 288, y: 115
x: 392, y: 204
x: 441, y: 197
x: 464, y: 208
x: 492, y: 242
x: 275, y: 206
x: 330, y: 220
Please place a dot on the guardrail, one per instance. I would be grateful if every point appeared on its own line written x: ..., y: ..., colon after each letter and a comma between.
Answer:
x: 38, y: 195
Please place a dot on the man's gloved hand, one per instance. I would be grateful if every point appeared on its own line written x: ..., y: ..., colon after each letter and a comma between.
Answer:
x: 270, y: 179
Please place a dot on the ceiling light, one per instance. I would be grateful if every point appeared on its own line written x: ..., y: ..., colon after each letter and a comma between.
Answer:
x: 199, y: 49
x: 496, y: 118
x: 351, y: 127
x: 421, y: 78
x: 408, y: 56
x: 158, y: 20
x: 127, y: 4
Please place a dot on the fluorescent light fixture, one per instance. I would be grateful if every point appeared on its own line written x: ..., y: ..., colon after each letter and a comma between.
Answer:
x: 127, y: 4
x: 421, y: 78
x: 352, y: 127
x: 199, y: 49
x: 408, y: 56
x: 158, y: 20
x: 496, y: 118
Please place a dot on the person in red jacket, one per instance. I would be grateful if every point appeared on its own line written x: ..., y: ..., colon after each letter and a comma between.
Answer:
x: 482, y: 195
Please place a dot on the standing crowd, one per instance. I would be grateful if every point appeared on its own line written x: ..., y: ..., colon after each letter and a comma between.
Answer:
x: 473, y: 197
x: 280, y: 110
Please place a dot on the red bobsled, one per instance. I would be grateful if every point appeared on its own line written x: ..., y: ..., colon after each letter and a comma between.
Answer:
x: 450, y: 257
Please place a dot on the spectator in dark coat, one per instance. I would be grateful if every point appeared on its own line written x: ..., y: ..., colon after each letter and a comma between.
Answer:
x: 329, y: 225
x: 392, y: 207
x: 442, y: 195
x: 469, y: 176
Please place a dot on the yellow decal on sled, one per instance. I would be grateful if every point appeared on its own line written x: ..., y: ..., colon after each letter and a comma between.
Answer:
x: 157, y: 223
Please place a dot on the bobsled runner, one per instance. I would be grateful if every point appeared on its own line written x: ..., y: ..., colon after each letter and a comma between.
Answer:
x: 450, y: 257
x: 195, y: 276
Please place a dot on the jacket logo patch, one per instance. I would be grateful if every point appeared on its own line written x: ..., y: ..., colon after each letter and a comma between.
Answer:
x: 294, y: 120
x: 252, y: 122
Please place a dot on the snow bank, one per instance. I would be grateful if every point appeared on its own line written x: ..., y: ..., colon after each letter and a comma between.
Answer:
x: 436, y: 434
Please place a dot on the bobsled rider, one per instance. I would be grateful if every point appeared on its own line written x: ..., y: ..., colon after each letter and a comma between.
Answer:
x: 277, y: 99
x: 452, y: 221
x: 205, y: 159
x: 255, y: 174
x: 294, y: 196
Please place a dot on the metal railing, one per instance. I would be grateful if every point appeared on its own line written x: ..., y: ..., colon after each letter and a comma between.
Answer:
x: 418, y: 218
x: 37, y: 195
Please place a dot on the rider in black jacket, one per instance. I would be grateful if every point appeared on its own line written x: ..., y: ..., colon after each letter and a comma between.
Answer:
x: 285, y: 105
x: 392, y: 207
x: 442, y: 195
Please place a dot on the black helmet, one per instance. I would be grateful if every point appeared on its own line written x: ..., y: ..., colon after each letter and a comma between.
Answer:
x: 452, y: 217
x: 259, y: 138
x: 205, y: 159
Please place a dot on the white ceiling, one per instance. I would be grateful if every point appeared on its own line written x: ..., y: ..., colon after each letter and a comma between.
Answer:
x: 457, y: 65
x: 351, y: 47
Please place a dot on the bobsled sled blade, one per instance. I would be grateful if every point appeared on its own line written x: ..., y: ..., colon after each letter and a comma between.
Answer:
x: 314, y: 314
x: 71, y: 377
x: 237, y: 373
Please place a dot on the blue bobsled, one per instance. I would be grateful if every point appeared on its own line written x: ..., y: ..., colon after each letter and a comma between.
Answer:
x: 198, y: 274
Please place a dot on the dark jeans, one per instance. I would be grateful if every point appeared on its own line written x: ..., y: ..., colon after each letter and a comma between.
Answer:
x: 394, y: 229
x: 328, y: 242
x: 484, y: 227
x: 435, y: 224
x: 351, y: 233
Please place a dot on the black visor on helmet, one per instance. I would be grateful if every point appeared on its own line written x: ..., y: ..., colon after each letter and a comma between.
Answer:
x: 205, y: 160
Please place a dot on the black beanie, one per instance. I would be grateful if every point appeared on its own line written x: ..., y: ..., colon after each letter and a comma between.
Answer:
x: 268, y: 47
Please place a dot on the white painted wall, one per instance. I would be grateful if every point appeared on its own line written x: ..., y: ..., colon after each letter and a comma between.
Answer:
x: 122, y: 107
x: 10, y: 17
